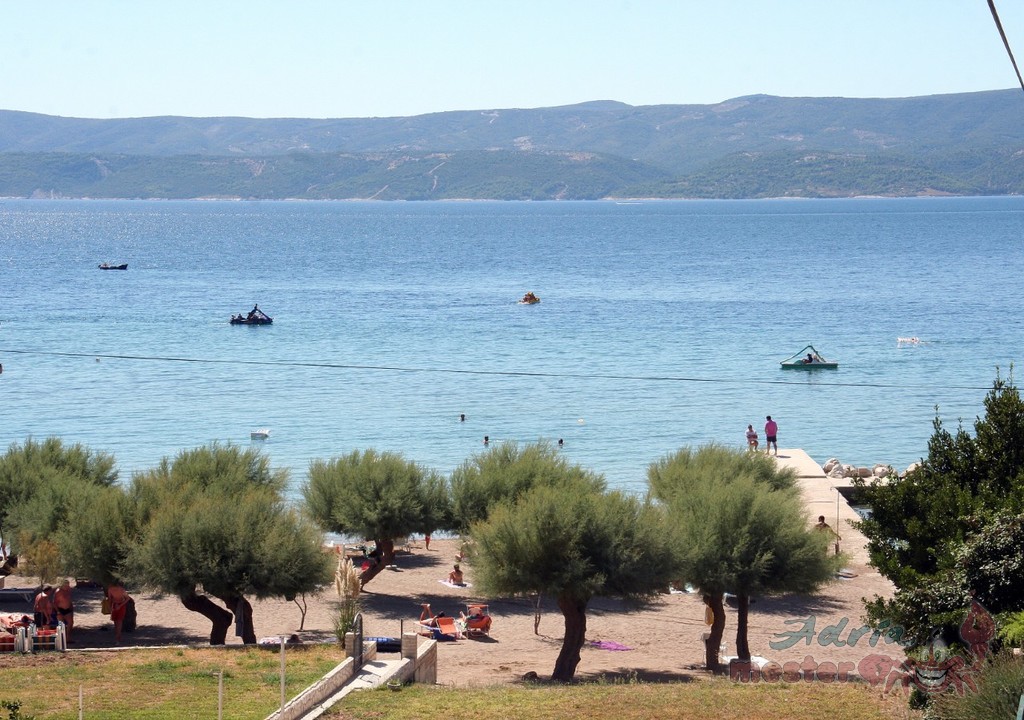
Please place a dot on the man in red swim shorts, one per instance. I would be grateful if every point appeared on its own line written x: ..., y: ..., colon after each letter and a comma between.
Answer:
x: 119, y: 599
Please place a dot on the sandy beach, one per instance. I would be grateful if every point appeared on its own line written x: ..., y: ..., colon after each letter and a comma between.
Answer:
x: 663, y: 637
x: 660, y: 640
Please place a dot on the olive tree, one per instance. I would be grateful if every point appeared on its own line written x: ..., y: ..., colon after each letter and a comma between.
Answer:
x: 740, y: 527
x: 505, y: 471
x: 375, y: 495
x: 214, y: 523
x: 43, y: 488
x: 572, y: 541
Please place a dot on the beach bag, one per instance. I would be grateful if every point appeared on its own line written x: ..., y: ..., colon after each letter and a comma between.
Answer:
x: 105, y: 606
x: 131, y: 617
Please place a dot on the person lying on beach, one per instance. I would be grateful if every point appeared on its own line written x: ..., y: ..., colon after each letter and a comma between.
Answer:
x: 428, y: 618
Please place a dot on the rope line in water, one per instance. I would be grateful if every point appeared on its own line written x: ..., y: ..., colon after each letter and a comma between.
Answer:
x: 456, y: 371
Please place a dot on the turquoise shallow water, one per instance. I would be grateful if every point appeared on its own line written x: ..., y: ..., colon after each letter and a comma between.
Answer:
x: 661, y: 324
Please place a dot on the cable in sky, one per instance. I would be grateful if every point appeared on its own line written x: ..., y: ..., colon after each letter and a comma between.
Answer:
x: 1006, y: 43
x: 462, y: 371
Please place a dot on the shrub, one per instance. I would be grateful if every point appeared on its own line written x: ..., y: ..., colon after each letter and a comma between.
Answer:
x: 1000, y: 687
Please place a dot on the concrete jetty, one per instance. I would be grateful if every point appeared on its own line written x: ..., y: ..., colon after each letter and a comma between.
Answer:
x: 823, y: 496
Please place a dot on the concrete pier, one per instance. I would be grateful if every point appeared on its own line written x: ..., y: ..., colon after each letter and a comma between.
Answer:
x: 822, y: 496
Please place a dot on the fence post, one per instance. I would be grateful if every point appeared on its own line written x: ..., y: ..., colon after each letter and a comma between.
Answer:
x: 282, y: 676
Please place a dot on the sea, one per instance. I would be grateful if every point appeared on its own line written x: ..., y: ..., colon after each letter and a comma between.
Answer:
x: 661, y: 325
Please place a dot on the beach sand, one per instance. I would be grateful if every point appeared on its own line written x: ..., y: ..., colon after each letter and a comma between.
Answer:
x: 663, y: 637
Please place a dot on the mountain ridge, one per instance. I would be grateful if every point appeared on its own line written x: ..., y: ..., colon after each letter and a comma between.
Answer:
x: 751, y: 146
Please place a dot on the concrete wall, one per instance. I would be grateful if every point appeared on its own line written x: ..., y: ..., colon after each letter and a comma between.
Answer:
x: 326, y: 686
x: 419, y: 664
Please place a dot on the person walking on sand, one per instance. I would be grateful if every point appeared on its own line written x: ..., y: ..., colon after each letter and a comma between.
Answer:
x: 771, y: 431
x: 823, y: 526
x: 119, y: 599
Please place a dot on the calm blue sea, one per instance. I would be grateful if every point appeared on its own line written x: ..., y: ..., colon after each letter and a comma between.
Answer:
x: 662, y: 324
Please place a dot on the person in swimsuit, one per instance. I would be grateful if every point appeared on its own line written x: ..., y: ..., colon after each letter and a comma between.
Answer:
x: 823, y: 526
x: 751, y: 438
x: 65, y: 607
x: 119, y: 599
x: 43, y: 607
x: 771, y: 431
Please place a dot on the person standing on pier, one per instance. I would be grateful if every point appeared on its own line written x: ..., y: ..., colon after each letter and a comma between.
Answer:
x: 771, y: 430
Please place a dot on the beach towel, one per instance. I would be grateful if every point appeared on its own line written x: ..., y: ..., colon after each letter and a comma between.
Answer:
x: 608, y: 645
x: 451, y: 584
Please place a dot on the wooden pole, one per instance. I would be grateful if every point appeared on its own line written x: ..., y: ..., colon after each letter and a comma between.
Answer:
x: 282, y: 675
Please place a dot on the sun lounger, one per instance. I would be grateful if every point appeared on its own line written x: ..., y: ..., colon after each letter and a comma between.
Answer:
x: 442, y: 628
x: 447, y: 626
x: 477, y: 623
x: 17, y: 596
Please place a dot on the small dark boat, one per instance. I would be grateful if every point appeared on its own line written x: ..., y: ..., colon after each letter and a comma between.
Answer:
x: 108, y: 266
x: 255, y: 317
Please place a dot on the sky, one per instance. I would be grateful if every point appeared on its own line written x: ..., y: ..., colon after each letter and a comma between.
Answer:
x: 382, y: 58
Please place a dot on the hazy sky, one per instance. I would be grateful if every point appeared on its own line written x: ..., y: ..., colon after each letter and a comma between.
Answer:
x: 341, y: 58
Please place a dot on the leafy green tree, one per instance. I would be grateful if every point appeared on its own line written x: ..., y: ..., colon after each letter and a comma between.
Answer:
x: 39, y: 482
x: 375, y: 495
x: 214, y: 523
x: 572, y: 541
x: 929, y: 532
x: 505, y: 471
x: 43, y: 486
x: 94, y: 543
x: 740, y: 527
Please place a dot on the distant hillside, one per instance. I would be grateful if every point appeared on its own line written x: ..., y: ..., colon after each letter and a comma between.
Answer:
x: 758, y: 146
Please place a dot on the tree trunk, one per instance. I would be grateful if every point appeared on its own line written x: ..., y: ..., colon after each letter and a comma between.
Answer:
x: 386, y: 557
x: 218, y: 616
x: 742, y: 612
x: 239, y: 605
x: 302, y: 609
x: 575, y: 613
x: 714, y: 641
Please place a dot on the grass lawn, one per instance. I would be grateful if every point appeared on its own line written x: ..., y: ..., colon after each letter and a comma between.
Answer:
x: 718, y: 699
x: 174, y: 683
x: 169, y: 683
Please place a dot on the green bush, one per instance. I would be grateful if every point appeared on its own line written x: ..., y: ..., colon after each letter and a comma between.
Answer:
x: 1000, y: 687
x: 13, y: 708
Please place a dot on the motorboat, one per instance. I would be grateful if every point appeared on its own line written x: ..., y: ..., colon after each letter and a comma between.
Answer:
x: 529, y: 299
x: 260, y: 434
x: 808, y: 359
x: 108, y: 266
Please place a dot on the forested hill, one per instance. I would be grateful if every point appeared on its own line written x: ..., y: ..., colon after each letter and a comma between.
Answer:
x: 749, y: 147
